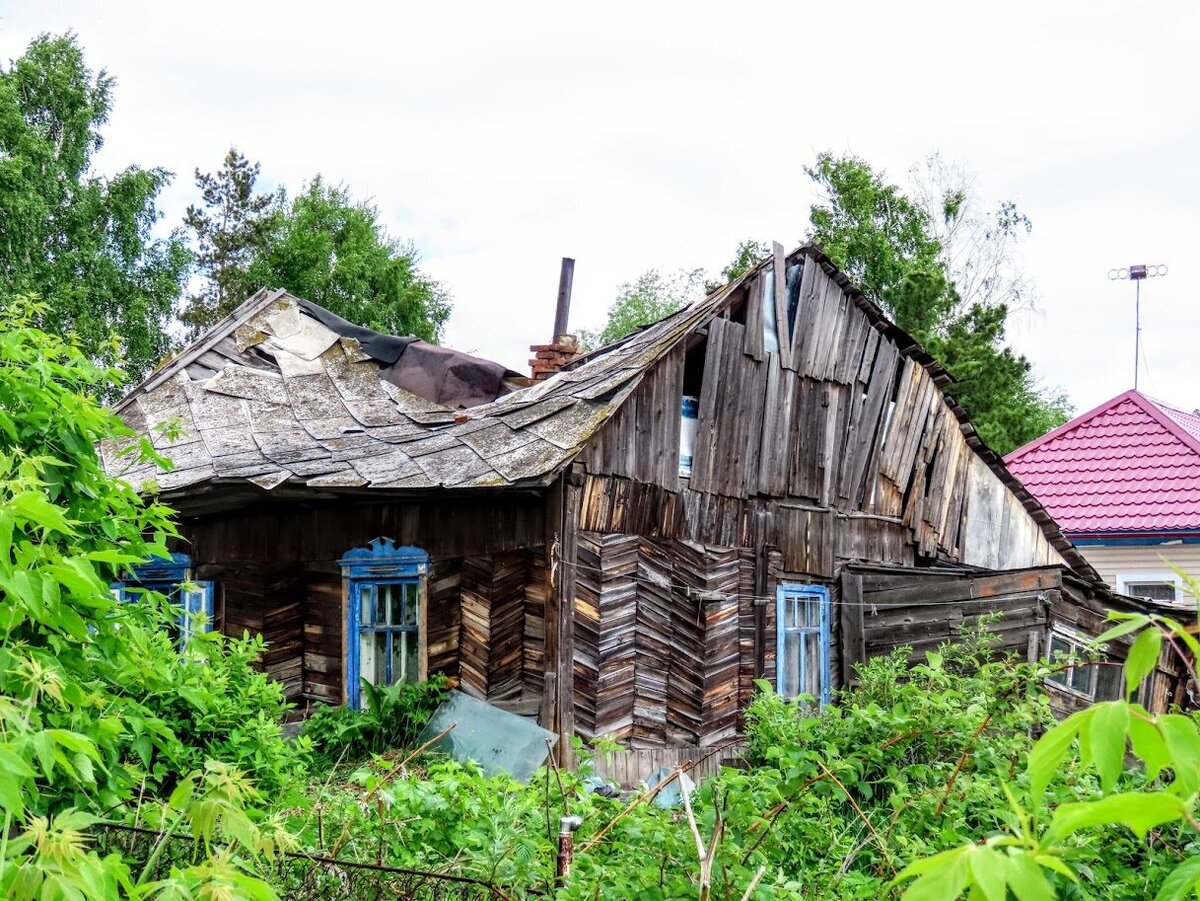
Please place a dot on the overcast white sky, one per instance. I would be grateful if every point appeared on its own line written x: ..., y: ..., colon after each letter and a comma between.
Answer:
x: 502, y: 136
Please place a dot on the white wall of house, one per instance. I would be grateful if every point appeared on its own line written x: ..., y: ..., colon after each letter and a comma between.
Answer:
x: 1122, y: 565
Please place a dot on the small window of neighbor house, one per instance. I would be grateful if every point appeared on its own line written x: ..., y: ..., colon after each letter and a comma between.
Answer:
x: 689, y: 405
x: 1152, y: 590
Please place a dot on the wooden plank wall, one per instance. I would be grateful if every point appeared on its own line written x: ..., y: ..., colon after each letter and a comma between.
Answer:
x: 443, y: 607
x: 268, y: 600
x: 922, y: 609
x: 450, y: 524
x: 536, y: 602
x: 659, y: 657
x: 633, y: 767
x: 845, y: 445
x: 323, y: 630
x: 485, y: 626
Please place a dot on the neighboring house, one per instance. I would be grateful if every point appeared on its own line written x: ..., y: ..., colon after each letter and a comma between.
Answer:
x: 1123, y: 482
x: 770, y: 483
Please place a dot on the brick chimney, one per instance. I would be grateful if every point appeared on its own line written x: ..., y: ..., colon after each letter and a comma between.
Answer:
x: 550, y: 358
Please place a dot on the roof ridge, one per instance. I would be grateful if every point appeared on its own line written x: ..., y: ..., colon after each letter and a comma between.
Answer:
x: 1162, y: 418
x: 206, y: 340
x: 1067, y: 427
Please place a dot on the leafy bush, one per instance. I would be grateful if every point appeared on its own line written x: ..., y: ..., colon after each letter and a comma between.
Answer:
x: 92, y: 691
x: 393, y: 718
x: 1061, y: 831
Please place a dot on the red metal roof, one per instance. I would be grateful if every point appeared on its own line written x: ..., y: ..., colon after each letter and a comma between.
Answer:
x: 1132, y: 465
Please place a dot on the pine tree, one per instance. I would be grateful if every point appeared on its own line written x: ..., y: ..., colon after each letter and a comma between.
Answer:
x: 230, y: 228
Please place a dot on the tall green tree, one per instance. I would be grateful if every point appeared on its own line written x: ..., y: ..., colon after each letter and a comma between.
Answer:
x: 81, y: 240
x: 329, y: 248
x: 229, y: 228
x: 648, y: 298
x: 912, y: 255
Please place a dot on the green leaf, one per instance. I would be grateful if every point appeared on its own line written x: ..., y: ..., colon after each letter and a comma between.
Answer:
x: 10, y: 795
x: 1132, y: 624
x: 1148, y: 745
x: 989, y: 872
x: 1026, y: 878
x: 1050, y: 750
x: 1140, y: 811
x: 943, y: 881
x: 1181, y: 883
x: 43, y: 745
x: 1183, y: 744
x: 1142, y: 658
x: 1102, y: 740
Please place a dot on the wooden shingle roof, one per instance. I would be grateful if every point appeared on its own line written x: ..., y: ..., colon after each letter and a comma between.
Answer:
x: 271, y: 396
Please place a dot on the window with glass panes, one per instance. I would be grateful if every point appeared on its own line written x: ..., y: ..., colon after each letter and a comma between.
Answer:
x: 802, y: 641
x: 1152, y: 591
x: 1100, y: 681
x: 172, y: 579
x: 384, y: 627
x: 387, y: 631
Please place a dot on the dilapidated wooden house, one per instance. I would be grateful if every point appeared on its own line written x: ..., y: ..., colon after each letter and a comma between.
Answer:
x: 771, y: 483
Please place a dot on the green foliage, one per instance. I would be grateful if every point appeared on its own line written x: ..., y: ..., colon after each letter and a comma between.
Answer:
x: 649, y: 298
x: 393, y: 718
x: 332, y: 250
x: 1053, y: 845
x: 909, y: 257
x: 81, y: 240
x: 99, y: 712
x: 217, y: 707
x: 230, y: 227
x: 749, y: 254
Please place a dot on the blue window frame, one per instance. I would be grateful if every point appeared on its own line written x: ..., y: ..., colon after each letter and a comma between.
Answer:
x: 385, y: 627
x: 802, y: 641
x: 172, y: 579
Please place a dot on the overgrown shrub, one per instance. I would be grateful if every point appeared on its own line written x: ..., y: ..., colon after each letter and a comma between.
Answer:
x: 97, y: 707
x: 392, y: 718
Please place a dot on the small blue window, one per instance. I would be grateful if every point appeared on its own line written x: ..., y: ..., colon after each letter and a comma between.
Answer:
x: 802, y: 641
x: 384, y: 628
x: 171, y: 579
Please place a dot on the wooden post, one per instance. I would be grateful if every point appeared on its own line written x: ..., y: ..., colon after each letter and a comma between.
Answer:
x: 779, y: 272
x: 563, y: 311
x: 854, y: 640
x: 562, y: 515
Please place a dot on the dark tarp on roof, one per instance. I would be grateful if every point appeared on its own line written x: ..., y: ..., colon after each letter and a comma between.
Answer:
x: 447, y: 377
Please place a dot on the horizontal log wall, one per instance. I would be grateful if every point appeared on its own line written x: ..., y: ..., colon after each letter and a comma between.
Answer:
x: 323, y: 631
x: 882, y: 611
x: 267, y: 601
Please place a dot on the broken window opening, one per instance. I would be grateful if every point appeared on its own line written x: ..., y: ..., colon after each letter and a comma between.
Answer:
x: 1100, y: 681
x: 689, y: 405
x: 737, y: 310
x: 769, y: 324
x: 794, y: 274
